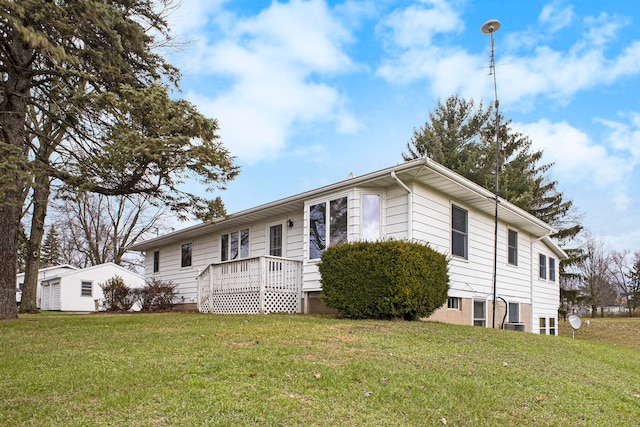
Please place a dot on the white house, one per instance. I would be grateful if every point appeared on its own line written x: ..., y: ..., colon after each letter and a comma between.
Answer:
x: 43, y: 273
x: 265, y: 259
x: 79, y: 290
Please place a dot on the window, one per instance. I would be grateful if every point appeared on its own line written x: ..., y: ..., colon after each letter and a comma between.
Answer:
x: 458, y: 232
x: 479, y: 313
x: 234, y: 245
x: 543, y: 325
x: 552, y: 269
x: 454, y: 303
x: 552, y: 325
x: 185, y: 255
x: 321, y: 223
x: 513, y: 247
x: 224, y: 247
x: 275, y: 240
x: 514, y: 312
x: 244, y: 243
x: 85, y: 289
x: 156, y: 261
x: 543, y: 266
x: 370, y: 217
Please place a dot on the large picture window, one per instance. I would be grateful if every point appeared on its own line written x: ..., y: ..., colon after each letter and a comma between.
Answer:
x: 459, y: 233
x: 185, y: 255
x: 370, y: 217
x: 234, y: 245
x: 513, y: 247
x: 323, y: 223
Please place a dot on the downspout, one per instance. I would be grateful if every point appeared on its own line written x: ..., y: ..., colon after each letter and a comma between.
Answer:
x: 409, y: 207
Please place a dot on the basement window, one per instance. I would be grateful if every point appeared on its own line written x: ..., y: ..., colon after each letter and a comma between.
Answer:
x: 454, y: 303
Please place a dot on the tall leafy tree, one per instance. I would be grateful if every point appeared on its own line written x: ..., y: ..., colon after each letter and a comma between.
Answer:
x: 633, y: 290
x: 100, y: 228
x: 593, y: 269
x: 90, y: 68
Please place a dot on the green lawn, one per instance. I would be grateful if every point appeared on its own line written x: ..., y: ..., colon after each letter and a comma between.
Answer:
x: 193, y: 369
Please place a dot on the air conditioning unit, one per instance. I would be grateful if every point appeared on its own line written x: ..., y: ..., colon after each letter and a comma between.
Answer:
x: 514, y: 327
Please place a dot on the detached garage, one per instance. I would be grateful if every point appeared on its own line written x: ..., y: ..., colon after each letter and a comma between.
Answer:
x: 79, y: 290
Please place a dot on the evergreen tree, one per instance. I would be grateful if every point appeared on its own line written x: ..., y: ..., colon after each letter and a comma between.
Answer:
x: 51, y: 252
x: 84, y: 101
x: 461, y: 136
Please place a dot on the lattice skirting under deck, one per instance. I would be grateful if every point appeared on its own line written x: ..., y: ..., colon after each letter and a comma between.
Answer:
x: 249, y: 303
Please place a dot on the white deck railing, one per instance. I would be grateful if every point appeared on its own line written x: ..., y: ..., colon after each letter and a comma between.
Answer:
x: 262, y: 285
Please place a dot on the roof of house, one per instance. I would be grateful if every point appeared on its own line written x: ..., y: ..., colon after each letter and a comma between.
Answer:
x: 424, y: 170
x: 91, y: 269
x: 52, y: 268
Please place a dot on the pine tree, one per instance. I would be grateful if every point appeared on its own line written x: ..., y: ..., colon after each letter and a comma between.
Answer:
x: 461, y: 136
x: 51, y: 252
x: 85, y: 100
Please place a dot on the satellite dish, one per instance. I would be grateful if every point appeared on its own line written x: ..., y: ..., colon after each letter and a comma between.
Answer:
x: 490, y: 26
x: 575, y: 321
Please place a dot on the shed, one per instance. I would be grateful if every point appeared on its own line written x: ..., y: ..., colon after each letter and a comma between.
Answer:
x: 79, y: 290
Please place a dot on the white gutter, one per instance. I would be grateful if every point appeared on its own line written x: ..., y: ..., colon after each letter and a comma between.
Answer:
x: 409, y: 207
x: 481, y: 191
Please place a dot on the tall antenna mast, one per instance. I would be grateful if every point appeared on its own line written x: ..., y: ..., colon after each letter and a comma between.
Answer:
x: 489, y: 28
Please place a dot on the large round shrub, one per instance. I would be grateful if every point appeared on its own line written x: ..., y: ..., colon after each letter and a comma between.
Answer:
x: 383, y: 280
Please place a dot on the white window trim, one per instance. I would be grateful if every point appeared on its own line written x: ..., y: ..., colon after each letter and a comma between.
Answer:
x: 464, y: 208
x: 546, y: 267
x: 285, y: 227
x: 327, y: 199
x: 82, y: 282
x: 381, y: 216
x: 228, y: 234
x: 458, y: 303
x: 181, y: 246
x: 514, y: 265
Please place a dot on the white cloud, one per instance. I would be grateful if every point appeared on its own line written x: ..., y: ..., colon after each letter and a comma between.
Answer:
x: 276, y: 62
x: 556, y: 73
x: 579, y: 160
x: 603, y: 29
x: 555, y: 16
x: 415, y: 25
x: 625, y: 136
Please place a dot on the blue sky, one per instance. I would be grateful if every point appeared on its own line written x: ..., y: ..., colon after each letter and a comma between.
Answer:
x: 307, y: 92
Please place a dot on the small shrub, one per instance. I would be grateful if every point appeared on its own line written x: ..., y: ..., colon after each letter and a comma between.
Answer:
x: 157, y: 295
x: 117, y: 295
x: 383, y: 280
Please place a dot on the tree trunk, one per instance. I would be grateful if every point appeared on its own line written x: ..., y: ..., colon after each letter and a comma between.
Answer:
x: 41, y: 191
x: 9, y: 223
x: 14, y: 178
x: 594, y: 311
